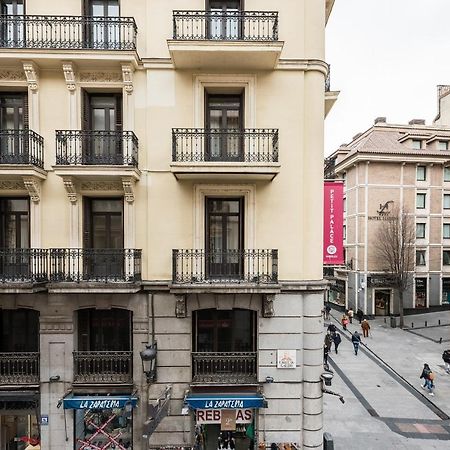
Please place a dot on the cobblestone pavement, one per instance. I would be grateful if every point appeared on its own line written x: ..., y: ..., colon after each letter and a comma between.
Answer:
x: 385, y: 406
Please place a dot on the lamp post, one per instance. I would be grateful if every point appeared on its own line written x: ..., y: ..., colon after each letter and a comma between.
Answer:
x: 148, y: 357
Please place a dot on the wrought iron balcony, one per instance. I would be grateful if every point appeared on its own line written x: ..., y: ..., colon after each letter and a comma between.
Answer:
x: 68, y: 32
x: 230, y: 266
x: 19, y: 368
x: 225, y: 26
x: 231, y: 145
x: 102, y: 367
x: 21, y: 147
x: 87, y: 147
x: 233, y: 367
x: 23, y: 265
x: 95, y: 265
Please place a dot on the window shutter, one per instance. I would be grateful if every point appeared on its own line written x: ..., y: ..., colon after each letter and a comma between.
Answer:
x: 87, y: 233
x: 25, y: 111
x: 85, y: 119
x: 119, y: 119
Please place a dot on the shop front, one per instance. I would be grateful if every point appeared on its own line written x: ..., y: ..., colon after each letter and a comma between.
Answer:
x: 421, y: 292
x: 102, y: 422
x: 225, y: 421
x: 445, y: 291
x: 382, y: 302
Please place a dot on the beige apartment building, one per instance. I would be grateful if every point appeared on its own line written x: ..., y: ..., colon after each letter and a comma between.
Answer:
x: 390, y: 165
x: 161, y: 222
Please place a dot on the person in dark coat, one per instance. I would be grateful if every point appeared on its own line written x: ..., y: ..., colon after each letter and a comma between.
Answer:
x: 325, y: 355
x: 328, y: 340
x: 337, y: 340
x: 359, y: 315
x: 331, y: 328
x: 356, y: 340
x: 446, y: 358
x: 428, y: 377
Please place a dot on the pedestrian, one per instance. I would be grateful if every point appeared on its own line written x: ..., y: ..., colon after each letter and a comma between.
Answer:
x: 327, y: 311
x: 350, y: 314
x: 325, y: 355
x: 356, y: 340
x: 331, y: 328
x: 344, y: 321
x: 428, y: 377
x: 365, y: 327
x: 328, y: 340
x: 359, y: 315
x: 337, y: 340
x: 446, y: 358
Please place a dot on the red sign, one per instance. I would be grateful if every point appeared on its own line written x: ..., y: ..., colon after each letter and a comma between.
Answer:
x: 333, y: 223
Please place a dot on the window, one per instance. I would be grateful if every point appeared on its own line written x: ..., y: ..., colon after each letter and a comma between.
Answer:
x: 344, y: 232
x: 420, y: 201
x: 442, y: 145
x: 446, y: 230
x: 446, y: 290
x: 224, y: 19
x: 19, y: 330
x: 420, y: 257
x: 421, y: 174
x: 12, y: 32
x: 102, y: 32
x: 446, y: 257
x: 446, y: 201
x: 446, y: 173
x: 344, y: 204
x: 416, y: 144
x: 420, y: 230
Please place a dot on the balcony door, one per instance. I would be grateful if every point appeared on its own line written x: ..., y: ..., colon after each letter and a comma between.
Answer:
x: 19, y: 330
x: 224, y: 22
x: 13, y: 120
x: 12, y: 30
x: 103, y: 238
x: 102, y: 118
x: 14, y: 238
x: 224, y: 125
x: 224, y: 238
x: 103, y: 30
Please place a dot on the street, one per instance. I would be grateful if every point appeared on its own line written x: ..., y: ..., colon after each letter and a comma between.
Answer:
x: 385, y: 407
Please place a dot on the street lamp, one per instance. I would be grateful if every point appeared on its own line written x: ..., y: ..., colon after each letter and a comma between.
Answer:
x: 148, y: 357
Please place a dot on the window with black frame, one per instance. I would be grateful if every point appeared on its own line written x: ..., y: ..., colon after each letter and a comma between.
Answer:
x: 12, y: 25
x: 224, y: 20
x: 103, y: 28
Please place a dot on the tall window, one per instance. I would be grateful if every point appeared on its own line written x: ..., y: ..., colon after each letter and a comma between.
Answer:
x: 420, y: 201
x: 446, y: 173
x: 19, y: 330
x: 14, y: 223
x: 224, y: 20
x: 103, y: 32
x: 420, y: 230
x: 421, y: 173
x: 446, y: 257
x: 13, y: 119
x: 420, y: 257
x: 12, y: 33
x: 446, y: 201
x: 446, y: 231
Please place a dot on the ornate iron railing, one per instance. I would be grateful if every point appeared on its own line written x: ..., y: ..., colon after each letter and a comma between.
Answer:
x: 233, y: 367
x: 85, y: 147
x: 100, y: 265
x: 225, y: 26
x: 21, y: 147
x: 103, y: 367
x: 68, y: 32
x: 19, y: 368
x: 248, y: 145
x: 23, y: 265
x: 229, y: 266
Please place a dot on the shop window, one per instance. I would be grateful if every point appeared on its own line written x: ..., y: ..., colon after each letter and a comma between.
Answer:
x: 421, y: 200
x: 446, y: 231
x: 446, y: 290
x: 420, y: 258
x: 420, y: 230
x: 421, y: 173
x: 421, y: 292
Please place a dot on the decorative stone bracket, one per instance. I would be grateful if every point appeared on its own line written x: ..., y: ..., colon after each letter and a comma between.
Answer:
x: 69, y: 75
x: 33, y: 186
x: 267, y: 306
x: 32, y: 75
x: 180, y: 306
x: 128, y: 189
x: 127, y: 76
x: 71, y: 189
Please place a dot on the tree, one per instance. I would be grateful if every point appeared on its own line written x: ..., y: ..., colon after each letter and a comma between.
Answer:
x: 394, y: 248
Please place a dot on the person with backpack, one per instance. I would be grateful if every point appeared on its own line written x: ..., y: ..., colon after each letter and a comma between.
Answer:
x: 356, y: 340
x: 337, y: 340
x: 428, y: 377
x: 446, y: 358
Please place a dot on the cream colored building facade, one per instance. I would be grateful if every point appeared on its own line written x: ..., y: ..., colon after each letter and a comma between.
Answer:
x: 405, y: 166
x: 160, y: 185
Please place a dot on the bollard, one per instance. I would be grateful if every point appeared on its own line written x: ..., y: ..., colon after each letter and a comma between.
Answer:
x: 439, y: 321
x: 328, y: 443
x: 440, y: 341
x: 385, y: 320
x: 412, y: 324
x: 426, y: 323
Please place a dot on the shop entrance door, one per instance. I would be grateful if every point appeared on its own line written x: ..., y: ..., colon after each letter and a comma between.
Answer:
x: 382, y: 302
x: 215, y: 439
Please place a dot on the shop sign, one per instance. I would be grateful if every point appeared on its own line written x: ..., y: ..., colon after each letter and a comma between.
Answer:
x: 228, y: 420
x: 286, y: 359
x: 383, y: 212
x: 211, y: 416
x: 333, y: 225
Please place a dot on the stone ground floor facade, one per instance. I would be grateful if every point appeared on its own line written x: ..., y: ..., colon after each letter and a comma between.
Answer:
x: 255, y: 354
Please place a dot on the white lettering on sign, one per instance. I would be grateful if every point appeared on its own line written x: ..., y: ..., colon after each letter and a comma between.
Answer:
x: 225, y: 404
x: 99, y: 404
x: 205, y: 416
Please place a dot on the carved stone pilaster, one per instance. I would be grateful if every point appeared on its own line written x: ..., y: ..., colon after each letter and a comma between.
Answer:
x: 31, y: 73
x: 127, y: 75
x: 33, y: 186
x: 128, y: 189
x: 69, y: 75
x: 71, y: 189
x: 267, y: 309
x: 180, y: 306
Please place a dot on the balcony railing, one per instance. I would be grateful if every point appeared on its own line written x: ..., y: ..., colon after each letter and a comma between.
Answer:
x: 248, y: 145
x: 68, y: 32
x: 21, y: 147
x: 85, y: 147
x: 23, y: 265
x: 236, y: 367
x: 98, y: 265
x: 225, y: 26
x: 102, y: 367
x: 229, y: 266
x: 19, y: 368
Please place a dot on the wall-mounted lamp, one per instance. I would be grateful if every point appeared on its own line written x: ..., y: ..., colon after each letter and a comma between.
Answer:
x: 148, y: 357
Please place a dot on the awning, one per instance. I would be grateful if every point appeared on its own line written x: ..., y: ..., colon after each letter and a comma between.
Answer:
x: 225, y: 401
x: 99, y: 402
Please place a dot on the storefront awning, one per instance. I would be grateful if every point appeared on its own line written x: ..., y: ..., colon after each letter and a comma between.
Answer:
x: 99, y: 402
x: 225, y: 401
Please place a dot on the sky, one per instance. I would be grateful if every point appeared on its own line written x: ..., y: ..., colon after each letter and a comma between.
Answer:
x: 387, y: 58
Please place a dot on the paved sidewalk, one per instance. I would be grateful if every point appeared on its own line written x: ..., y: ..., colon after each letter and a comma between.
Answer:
x: 382, y: 411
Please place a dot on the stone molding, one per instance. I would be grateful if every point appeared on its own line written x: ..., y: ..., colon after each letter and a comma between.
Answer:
x: 69, y: 75
x: 69, y: 184
x: 32, y: 75
x: 127, y: 78
x: 33, y: 186
x: 180, y: 306
x: 12, y: 75
x: 128, y: 189
x: 56, y: 325
x: 267, y: 305
x: 101, y: 77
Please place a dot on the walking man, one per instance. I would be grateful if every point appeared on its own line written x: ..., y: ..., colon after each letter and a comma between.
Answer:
x: 359, y: 315
x: 356, y: 340
x: 365, y: 327
x: 446, y: 358
x: 325, y: 355
x: 327, y: 311
x: 328, y: 340
x: 337, y: 340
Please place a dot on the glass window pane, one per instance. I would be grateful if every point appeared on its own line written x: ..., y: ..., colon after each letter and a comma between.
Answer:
x: 446, y: 173
x: 420, y: 201
x: 446, y: 201
x: 421, y: 173
x: 442, y: 145
x: 420, y: 230
x: 446, y: 230
x: 98, y: 119
x: 416, y: 144
x: 107, y: 205
x: 446, y: 257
